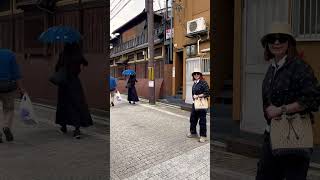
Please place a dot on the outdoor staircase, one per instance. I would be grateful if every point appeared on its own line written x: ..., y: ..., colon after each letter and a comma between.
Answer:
x: 225, y: 97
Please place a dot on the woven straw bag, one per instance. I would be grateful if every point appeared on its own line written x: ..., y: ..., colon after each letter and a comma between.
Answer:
x: 291, y: 134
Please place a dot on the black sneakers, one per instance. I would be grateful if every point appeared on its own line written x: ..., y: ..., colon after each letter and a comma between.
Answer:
x: 64, y: 129
x: 77, y: 134
x: 8, y: 134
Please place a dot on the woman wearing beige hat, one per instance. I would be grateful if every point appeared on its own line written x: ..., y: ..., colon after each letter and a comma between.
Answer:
x: 289, y: 87
x: 200, y: 89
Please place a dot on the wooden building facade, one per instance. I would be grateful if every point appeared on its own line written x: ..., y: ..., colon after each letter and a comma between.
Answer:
x: 129, y: 51
x: 22, y: 22
x: 249, y: 20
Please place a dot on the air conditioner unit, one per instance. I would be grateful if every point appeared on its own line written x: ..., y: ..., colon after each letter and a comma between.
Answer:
x: 196, y: 25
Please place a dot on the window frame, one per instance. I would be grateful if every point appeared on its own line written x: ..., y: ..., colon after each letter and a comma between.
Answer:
x: 296, y: 10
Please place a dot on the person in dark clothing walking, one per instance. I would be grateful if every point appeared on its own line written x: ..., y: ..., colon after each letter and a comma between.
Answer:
x: 72, y: 108
x: 289, y: 87
x: 200, y: 89
x: 132, y: 92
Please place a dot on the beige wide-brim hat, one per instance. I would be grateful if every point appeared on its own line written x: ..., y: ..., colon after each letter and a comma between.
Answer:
x: 196, y: 70
x: 279, y: 28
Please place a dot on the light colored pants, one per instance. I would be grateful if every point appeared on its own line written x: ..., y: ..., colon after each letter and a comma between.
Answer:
x: 7, y: 100
x: 112, y: 94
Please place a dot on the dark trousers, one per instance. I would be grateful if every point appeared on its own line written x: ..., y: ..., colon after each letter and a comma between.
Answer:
x: 289, y: 167
x: 195, y: 115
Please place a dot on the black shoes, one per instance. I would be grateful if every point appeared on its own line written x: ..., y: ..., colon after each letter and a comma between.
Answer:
x: 8, y: 134
x: 112, y: 104
x: 63, y: 129
x: 77, y: 134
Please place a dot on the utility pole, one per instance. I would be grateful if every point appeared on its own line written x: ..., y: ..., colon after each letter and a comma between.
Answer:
x: 150, y: 18
x: 171, y: 31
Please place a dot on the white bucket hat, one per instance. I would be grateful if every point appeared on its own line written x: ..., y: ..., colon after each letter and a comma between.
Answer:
x: 278, y: 28
x: 196, y: 70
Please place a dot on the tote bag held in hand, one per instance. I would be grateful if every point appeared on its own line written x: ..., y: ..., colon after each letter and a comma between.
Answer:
x: 60, y: 77
x: 26, y: 111
x: 291, y: 134
x: 201, y: 103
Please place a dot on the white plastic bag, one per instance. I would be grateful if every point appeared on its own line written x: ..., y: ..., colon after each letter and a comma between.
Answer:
x: 118, y: 96
x: 26, y: 111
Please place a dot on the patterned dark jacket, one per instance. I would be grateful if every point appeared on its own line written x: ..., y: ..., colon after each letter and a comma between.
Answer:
x: 293, y: 82
x: 201, y: 87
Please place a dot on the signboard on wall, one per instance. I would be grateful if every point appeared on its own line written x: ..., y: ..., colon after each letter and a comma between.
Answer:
x: 168, y: 33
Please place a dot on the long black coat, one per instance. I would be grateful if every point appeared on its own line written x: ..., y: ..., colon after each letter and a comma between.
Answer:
x: 132, y: 92
x: 72, y: 108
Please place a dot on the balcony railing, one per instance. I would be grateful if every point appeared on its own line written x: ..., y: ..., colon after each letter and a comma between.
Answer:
x: 138, y: 40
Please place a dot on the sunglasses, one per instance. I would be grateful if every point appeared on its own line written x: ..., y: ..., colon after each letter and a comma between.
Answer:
x: 277, y: 37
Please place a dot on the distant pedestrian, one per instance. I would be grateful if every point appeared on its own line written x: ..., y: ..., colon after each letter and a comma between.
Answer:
x: 72, y: 108
x: 200, y: 89
x: 132, y: 92
x: 10, y: 82
x: 289, y: 89
x: 113, y: 89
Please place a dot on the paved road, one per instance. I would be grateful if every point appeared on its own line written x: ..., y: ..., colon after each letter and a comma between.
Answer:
x: 230, y: 166
x: 149, y: 142
x: 43, y: 152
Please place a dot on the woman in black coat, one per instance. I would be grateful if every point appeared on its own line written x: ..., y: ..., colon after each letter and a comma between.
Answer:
x: 132, y: 92
x: 72, y: 108
x: 200, y: 89
x: 289, y: 87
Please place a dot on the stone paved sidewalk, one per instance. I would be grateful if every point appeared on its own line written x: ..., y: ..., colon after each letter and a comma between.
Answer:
x: 230, y: 166
x: 146, y: 140
x: 42, y: 152
x: 194, y: 164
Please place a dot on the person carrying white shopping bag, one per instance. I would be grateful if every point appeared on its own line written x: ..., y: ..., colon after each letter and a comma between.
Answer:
x: 118, y: 96
x: 10, y: 85
x: 26, y: 111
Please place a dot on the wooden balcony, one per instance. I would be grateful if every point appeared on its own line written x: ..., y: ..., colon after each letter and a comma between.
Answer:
x: 135, y: 42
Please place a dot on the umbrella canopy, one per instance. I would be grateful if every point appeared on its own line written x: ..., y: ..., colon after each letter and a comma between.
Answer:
x: 64, y: 34
x: 112, y: 83
x: 128, y: 72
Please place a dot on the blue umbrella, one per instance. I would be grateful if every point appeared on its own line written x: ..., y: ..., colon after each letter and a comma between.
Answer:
x: 64, y: 34
x: 128, y: 72
x: 112, y: 83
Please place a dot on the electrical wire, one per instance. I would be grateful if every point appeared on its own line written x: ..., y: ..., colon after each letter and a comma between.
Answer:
x: 116, y: 6
x: 120, y: 9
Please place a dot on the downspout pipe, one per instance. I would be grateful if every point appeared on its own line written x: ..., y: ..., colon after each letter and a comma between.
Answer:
x: 198, y: 44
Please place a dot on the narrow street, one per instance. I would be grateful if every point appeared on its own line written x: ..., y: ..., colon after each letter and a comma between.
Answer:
x: 230, y: 166
x: 43, y: 152
x: 149, y: 142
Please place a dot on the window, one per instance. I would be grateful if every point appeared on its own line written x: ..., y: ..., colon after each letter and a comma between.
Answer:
x: 131, y: 57
x: 158, y: 52
x: 306, y: 19
x: 205, y: 65
x: 140, y: 55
